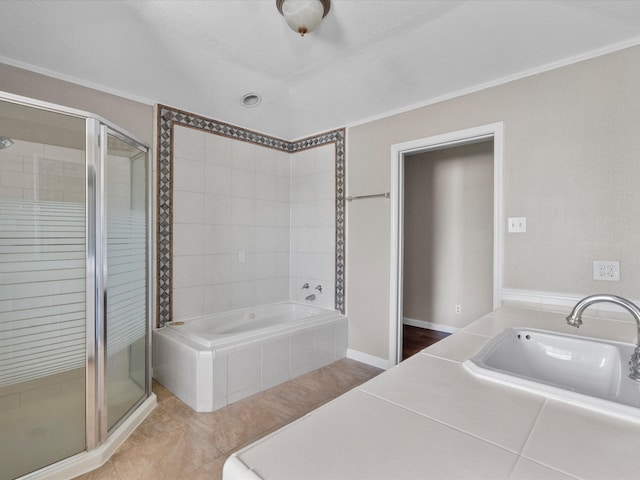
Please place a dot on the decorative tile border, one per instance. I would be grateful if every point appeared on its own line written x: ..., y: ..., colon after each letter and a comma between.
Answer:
x: 336, y: 137
x: 167, y: 118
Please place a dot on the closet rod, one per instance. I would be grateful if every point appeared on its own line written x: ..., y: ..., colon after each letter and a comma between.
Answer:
x: 358, y: 197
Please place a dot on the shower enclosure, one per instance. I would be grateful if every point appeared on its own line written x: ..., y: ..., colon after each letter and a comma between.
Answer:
x: 74, y: 286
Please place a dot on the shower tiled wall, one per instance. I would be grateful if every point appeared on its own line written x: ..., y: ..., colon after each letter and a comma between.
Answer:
x: 42, y: 299
x: 313, y: 233
x: 231, y: 210
x: 36, y: 171
x: 42, y: 202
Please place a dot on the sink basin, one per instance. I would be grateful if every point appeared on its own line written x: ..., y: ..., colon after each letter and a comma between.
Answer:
x: 586, y: 371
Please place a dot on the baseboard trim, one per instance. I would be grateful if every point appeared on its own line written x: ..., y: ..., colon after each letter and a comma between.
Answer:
x: 372, y: 360
x: 441, y: 327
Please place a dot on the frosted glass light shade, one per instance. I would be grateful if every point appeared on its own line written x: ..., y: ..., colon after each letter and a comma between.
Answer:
x: 303, y: 16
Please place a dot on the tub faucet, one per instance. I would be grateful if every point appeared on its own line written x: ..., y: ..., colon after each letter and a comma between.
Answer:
x: 310, y: 298
x: 305, y: 286
x: 575, y: 320
x: 319, y: 288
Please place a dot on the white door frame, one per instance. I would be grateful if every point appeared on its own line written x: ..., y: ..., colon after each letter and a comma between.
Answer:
x: 493, y: 131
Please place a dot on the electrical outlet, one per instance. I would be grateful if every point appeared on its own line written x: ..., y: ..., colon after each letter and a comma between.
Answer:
x: 458, y: 309
x: 517, y: 224
x: 242, y: 257
x: 608, y: 270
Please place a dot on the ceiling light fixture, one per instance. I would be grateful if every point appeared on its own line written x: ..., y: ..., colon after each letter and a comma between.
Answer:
x: 251, y: 100
x: 303, y: 16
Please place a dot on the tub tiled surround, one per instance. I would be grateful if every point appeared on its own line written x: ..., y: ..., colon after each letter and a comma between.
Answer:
x: 251, y: 224
x: 313, y: 233
x: 430, y: 418
x: 231, y: 224
x: 208, y: 379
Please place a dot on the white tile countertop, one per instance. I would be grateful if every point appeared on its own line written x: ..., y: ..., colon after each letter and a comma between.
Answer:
x: 428, y: 418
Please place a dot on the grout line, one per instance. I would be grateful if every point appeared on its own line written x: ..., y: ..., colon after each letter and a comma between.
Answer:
x: 452, y: 427
x: 457, y: 362
x: 524, y: 445
x: 522, y: 455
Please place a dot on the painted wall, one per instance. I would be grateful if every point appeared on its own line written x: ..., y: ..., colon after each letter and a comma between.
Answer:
x: 134, y: 117
x: 571, y: 166
x: 448, y: 235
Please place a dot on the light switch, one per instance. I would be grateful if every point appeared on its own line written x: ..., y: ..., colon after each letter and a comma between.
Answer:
x: 242, y: 257
x: 517, y: 224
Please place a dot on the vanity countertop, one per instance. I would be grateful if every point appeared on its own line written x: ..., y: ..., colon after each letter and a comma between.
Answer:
x: 428, y: 418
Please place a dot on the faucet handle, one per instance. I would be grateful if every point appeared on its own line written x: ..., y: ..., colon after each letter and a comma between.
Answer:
x: 319, y: 288
x: 634, y: 365
x: 306, y: 285
x: 574, y: 321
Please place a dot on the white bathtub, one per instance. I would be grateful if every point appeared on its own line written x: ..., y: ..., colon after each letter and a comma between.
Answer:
x: 210, y: 362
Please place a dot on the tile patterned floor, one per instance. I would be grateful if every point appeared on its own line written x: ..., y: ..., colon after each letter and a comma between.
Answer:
x: 175, y: 442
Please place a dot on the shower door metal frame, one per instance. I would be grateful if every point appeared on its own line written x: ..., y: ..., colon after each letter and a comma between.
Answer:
x: 95, y: 289
x: 105, y: 130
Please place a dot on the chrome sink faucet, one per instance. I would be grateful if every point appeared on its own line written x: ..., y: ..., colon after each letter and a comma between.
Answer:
x: 575, y: 320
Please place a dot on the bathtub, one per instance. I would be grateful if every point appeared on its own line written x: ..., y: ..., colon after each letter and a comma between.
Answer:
x: 209, y: 362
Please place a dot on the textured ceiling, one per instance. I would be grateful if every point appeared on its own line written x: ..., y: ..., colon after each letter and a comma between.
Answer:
x: 366, y: 59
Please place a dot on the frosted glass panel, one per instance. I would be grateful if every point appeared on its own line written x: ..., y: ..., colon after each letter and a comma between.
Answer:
x: 42, y: 289
x: 126, y: 252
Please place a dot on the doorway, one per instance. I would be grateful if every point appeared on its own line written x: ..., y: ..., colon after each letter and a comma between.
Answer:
x: 448, y: 241
x: 446, y: 231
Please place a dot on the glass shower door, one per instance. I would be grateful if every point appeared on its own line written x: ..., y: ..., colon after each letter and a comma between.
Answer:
x: 125, y: 207
x: 43, y: 264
